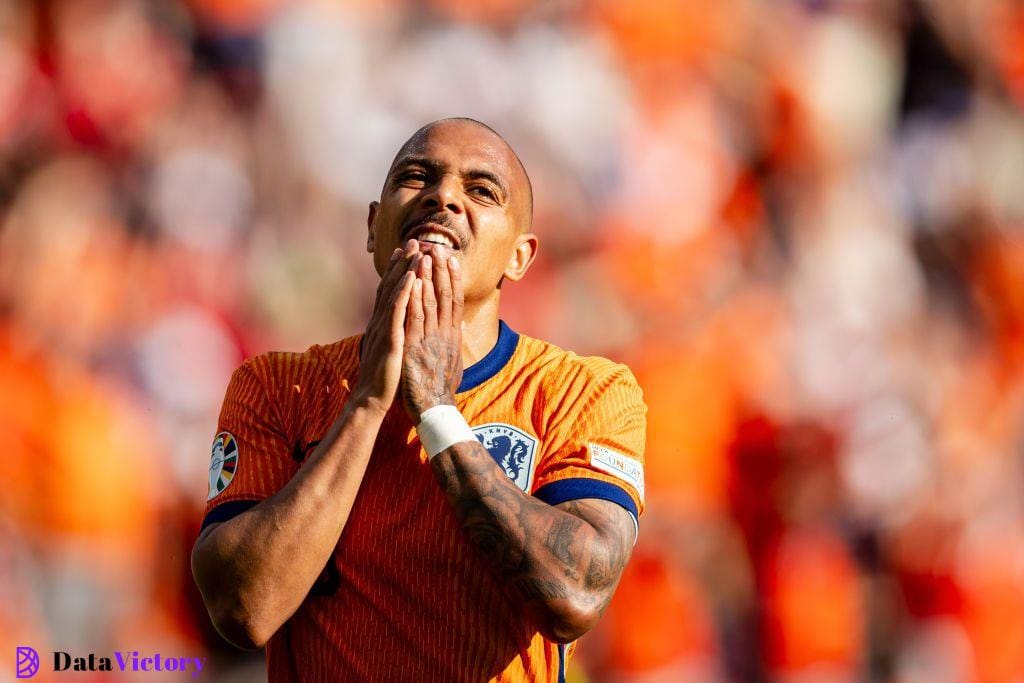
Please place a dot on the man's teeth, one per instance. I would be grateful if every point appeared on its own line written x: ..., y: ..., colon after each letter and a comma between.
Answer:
x: 437, y: 238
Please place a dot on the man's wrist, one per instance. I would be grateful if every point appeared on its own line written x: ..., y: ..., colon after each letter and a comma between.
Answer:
x: 442, y: 426
x: 366, y: 402
x: 433, y: 402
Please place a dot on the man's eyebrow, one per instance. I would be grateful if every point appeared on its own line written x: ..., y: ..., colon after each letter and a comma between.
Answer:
x: 427, y: 162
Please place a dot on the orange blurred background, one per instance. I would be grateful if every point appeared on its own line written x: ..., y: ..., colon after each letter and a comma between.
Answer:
x: 800, y: 222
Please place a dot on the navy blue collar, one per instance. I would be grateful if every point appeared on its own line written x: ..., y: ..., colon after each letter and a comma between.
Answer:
x: 491, y: 364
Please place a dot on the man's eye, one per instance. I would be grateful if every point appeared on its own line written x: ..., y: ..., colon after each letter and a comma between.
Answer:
x: 416, y: 176
x: 483, y: 191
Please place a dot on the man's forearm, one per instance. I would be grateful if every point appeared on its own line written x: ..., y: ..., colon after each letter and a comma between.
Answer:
x: 256, y: 569
x: 559, y: 563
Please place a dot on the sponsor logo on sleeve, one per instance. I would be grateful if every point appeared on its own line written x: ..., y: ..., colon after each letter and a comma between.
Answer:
x: 223, y: 463
x: 618, y: 465
x: 512, y: 448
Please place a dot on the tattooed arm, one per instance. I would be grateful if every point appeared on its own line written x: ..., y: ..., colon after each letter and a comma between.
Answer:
x: 564, y: 561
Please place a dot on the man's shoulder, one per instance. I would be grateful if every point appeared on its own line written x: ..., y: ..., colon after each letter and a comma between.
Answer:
x: 564, y: 370
x: 577, y: 390
x: 289, y: 369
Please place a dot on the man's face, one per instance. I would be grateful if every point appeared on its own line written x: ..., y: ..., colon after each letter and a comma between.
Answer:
x: 460, y: 185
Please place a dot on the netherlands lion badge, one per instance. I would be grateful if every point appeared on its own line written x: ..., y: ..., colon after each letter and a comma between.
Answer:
x: 512, y: 448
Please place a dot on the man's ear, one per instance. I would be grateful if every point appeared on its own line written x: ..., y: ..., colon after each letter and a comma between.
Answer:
x: 370, y: 218
x: 526, y: 251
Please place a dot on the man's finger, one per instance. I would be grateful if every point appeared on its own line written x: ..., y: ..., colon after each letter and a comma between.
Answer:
x: 442, y: 287
x: 400, y: 261
x: 426, y: 273
x: 455, y: 274
x: 414, y: 264
x: 414, y: 314
x: 399, y: 307
x: 388, y: 270
x: 408, y: 253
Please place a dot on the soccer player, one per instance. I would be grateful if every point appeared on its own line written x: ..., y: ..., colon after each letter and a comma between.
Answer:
x: 439, y: 498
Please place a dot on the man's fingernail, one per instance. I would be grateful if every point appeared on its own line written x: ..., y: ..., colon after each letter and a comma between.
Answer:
x: 395, y: 254
x: 454, y: 261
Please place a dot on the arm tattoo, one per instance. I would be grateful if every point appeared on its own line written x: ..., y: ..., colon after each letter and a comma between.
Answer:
x: 576, y: 550
x: 559, y: 542
x: 540, y: 589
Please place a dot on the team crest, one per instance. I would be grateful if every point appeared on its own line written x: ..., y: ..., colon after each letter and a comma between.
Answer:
x: 511, y: 448
x: 223, y: 462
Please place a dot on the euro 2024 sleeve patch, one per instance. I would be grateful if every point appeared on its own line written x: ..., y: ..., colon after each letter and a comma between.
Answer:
x: 618, y: 465
x: 223, y: 463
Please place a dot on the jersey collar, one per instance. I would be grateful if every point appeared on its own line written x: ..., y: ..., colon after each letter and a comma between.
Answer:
x: 491, y: 364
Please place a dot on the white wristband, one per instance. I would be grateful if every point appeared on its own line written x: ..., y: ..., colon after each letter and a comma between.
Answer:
x: 442, y: 426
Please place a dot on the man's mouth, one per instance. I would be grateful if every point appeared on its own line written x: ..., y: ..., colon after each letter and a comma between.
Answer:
x: 432, y: 233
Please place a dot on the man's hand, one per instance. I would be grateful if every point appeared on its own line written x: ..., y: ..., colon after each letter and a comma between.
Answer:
x: 380, y: 365
x: 432, y: 363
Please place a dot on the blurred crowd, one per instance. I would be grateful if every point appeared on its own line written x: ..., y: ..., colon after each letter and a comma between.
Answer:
x: 800, y: 222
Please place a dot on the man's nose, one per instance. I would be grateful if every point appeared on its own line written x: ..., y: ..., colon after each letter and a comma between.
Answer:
x: 444, y: 194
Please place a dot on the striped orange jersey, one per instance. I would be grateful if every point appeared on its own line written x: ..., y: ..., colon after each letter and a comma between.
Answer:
x: 405, y: 596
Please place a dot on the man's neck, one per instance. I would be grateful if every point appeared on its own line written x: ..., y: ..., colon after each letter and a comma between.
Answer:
x: 479, y: 330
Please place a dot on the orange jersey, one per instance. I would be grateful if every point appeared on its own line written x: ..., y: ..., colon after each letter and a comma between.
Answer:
x: 406, y: 597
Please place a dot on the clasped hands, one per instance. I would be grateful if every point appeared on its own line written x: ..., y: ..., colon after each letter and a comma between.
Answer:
x: 413, y: 342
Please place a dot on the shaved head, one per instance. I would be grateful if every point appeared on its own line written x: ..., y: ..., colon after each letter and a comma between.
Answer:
x: 458, y: 185
x: 417, y: 140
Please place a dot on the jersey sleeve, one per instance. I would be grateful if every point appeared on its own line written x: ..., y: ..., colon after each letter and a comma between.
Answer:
x: 596, y: 447
x: 251, y: 458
